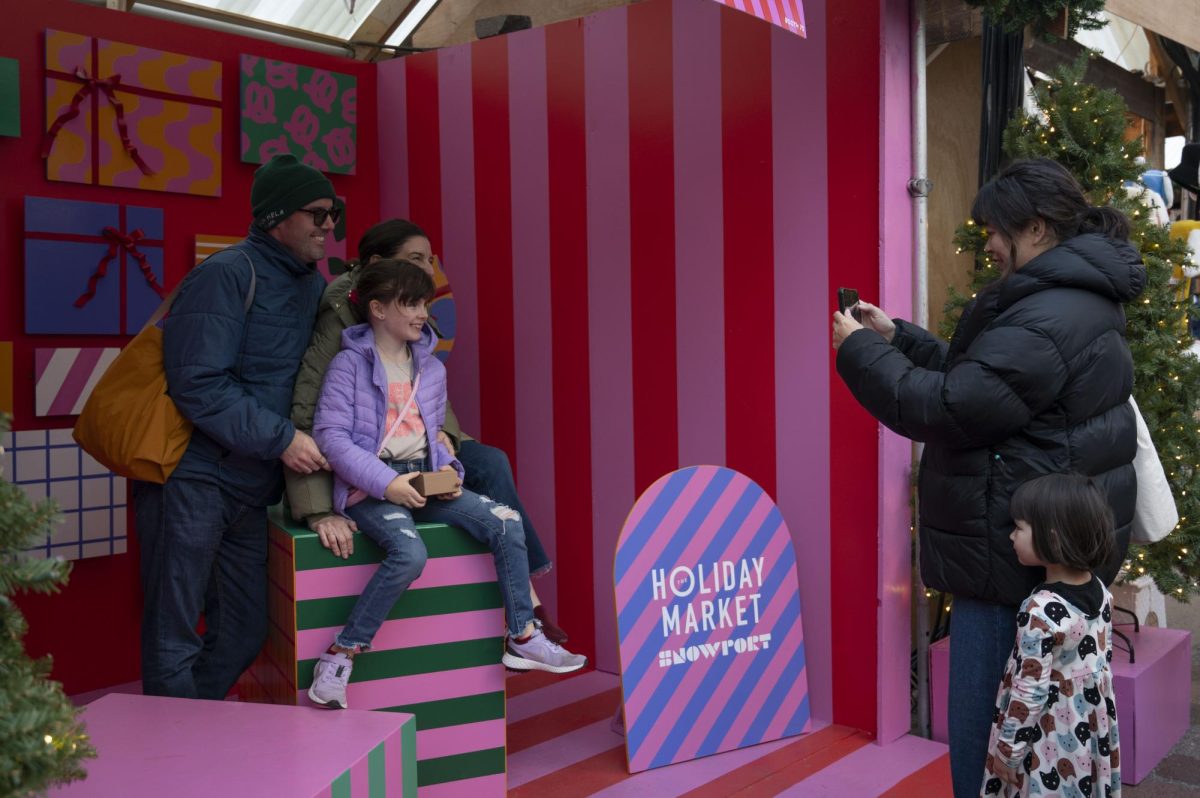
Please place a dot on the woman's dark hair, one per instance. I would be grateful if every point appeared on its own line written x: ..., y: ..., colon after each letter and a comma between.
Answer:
x: 1071, y: 521
x: 385, y: 238
x: 1042, y: 189
x: 390, y: 281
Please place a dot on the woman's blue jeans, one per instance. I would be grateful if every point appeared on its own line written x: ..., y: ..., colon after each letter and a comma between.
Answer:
x: 982, y: 635
x: 394, y: 528
x: 489, y: 473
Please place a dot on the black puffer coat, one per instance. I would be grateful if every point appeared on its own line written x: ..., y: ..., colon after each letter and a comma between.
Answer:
x: 1036, y: 380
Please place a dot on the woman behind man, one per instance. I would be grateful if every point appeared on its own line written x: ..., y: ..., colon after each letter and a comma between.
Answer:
x: 1035, y: 380
x: 487, y: 468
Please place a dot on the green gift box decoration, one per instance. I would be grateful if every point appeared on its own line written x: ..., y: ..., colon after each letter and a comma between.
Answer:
x: 311, y: 113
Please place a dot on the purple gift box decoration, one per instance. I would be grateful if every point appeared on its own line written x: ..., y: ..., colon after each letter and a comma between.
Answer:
x: 91, y: 268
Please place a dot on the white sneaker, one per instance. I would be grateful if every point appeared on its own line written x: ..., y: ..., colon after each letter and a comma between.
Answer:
x: 330, y: 677
x: 539, y: 654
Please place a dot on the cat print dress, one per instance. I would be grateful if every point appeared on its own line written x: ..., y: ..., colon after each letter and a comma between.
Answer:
x: 1055, y: 719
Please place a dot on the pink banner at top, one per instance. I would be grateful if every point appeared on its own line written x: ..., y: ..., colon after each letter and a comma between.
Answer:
x: 787, y: 14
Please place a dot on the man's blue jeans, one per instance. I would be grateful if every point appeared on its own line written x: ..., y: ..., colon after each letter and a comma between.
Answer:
x: 203, y: 553
x: 982, y: 635
x: 489, y: 473
x: 393, y: 527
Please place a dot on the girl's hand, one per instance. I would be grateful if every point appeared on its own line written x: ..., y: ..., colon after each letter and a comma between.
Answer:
x: 843, y: 326
x: 875, y: 319
x: 458, y: 489
x: 1006, y: 774
x: 400, y: 491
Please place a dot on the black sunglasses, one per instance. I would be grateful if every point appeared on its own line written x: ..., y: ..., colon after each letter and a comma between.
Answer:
x: 319, y: 215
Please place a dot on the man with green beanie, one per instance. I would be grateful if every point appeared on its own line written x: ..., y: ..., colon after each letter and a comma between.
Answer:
x: 231, y: 348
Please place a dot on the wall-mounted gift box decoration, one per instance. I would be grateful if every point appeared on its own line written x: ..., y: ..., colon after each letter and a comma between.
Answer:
x: 91, y: 268
x: 122, y: 115
x: 64, y: 378
x: 10, y: 97
x: 311, y: 113
x: 92, y: 499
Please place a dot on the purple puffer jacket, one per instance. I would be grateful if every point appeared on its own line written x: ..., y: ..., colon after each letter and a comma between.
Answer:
x: 352, y: 411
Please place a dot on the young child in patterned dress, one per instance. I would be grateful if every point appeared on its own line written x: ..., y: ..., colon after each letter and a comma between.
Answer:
x: 1055, y: 727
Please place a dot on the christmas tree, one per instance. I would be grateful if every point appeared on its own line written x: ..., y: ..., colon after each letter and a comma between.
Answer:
x: 1045, y: 17
x: 1083, y: 128
x: 41, y: 740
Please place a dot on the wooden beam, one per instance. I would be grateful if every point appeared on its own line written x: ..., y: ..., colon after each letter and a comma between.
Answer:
x: 120, y: 5
x: 1166, y: 70
x: 240, y: 20
x: 1175, y: 19
x: 951, y: 21
x: 378, y: 26
x: 1142, y: 98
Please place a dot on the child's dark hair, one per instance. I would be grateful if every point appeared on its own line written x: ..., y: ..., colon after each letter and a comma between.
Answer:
x: 1040, y: 188
x: 1071, y: 521
x: 390, y: 281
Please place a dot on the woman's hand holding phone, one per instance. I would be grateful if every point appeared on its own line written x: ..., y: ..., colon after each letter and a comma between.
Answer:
x: 875, y: 319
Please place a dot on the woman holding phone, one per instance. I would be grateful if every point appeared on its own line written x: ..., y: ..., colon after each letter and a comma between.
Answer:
x: 1035, y: 380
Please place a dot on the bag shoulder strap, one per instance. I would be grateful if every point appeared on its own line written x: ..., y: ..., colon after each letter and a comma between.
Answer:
x: 158, y: 314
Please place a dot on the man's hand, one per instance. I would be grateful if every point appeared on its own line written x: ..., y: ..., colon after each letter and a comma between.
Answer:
x: 400, y: 491
x: 458, y: 485
x: 336, y: 534
x: 302, y: 455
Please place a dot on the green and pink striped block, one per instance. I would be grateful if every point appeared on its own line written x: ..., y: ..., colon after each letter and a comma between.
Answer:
x: 437, y: 656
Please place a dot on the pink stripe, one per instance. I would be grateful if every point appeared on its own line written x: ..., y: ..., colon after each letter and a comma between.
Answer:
x: 532, y: 330
x: 392, y: 108
x: 688, y: 687
x: 349, y: 580
x: 360, y: 778
x: 802, y: 338
x: 427, y: 630
x: 650, y: 621
x: 393, y: 760
x: 458, y: 226
x: 41, y: 359
x: 788, y: 708
x: 699, y: 233
x: 635, y: 578
x: 76, y: 380
x: 467, y: 788
x: 869, y: 770
x: 561, y: 752
x: 610, y: 336
x: 559, y: 694
x: 895, y: 453
x: 450, y: 740
x: 326, y: 792
x: 685, y: 776
x: 382, y: 693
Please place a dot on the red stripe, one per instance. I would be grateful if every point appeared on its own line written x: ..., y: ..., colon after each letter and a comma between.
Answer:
x: 95, y: 132
x: 516, y: 684
x: 493, y: 239
x: 853, y: 144
x: 424, y: 146
x: 802, y: 758
x: 569, y: 324
x: 652, y: 242
x: 561, y: 720
x: 122, y: 261
x: 585, y: 777
x: 933, y: 779
x: 749, y: 251
x: 84, y: 239
x: 138, y: 90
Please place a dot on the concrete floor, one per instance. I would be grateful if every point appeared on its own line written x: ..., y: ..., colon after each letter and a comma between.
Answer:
x: 1178, y: 775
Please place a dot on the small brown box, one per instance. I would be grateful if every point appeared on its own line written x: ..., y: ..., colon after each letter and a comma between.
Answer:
x: 435, y: 483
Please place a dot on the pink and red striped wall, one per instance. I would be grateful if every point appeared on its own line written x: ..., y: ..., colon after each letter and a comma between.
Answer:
x: 632, y: 212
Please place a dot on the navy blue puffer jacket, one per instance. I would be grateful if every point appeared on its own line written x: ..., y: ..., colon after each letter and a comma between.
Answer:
x: 231, y: 372
x: 1036, y: 380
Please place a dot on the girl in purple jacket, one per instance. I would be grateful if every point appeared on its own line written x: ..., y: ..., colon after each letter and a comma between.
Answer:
x: 382, y: 404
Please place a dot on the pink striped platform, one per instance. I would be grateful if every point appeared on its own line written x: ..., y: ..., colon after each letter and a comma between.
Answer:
x: 560, y: 745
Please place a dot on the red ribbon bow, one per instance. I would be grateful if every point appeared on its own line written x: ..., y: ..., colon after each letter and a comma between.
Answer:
x: 116, y: 242
x: 91, y: 86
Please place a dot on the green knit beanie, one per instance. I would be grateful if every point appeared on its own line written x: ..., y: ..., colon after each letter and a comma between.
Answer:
x: 283, y: 186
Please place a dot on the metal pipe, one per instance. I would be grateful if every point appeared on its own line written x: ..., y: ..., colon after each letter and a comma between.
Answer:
x: 919, y: 188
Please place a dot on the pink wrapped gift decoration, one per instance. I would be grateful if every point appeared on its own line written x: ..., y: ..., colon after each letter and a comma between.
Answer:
x: 134, y: 117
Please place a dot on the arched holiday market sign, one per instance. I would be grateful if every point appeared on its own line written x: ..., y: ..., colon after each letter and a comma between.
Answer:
x: 708, y: 620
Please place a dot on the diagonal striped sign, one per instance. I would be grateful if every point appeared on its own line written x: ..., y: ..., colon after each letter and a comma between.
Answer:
x: 65, y: 378
x: 708, y: 616
x: 787, y: 14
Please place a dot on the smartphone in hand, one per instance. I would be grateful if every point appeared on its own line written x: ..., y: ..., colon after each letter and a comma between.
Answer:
x: 848, y: 302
